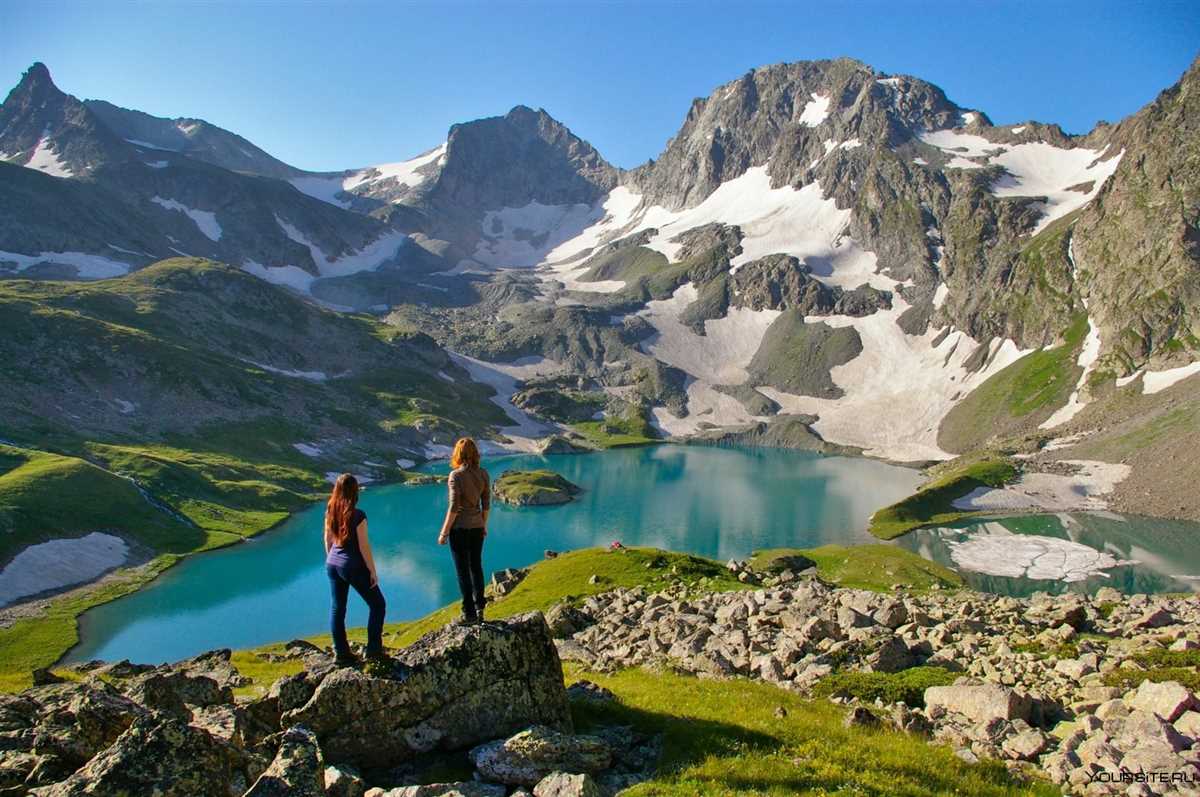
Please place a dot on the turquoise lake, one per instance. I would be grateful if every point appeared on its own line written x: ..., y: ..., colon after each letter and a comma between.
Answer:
x: 718, y: 502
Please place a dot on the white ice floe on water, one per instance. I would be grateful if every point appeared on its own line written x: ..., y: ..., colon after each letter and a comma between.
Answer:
x: 815, y: 111
x: 308, y: 376
x: 60, y: 563
x: 503, y: 378
x: 205, y: 220
x: 45, y: 159
x: 87, y: 266
x: 1051, y: 492
x: 898, y: 390
x: 308, y: 449
x: 996, y: 551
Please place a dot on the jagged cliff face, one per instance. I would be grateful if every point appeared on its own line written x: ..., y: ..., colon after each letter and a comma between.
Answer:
x: 1137, y: 245
x: 819, y: 239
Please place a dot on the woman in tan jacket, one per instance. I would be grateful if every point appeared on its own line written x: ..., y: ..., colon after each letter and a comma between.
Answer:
x: 465, y: 525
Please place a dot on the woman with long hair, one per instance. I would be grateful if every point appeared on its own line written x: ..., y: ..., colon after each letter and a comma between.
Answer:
x: 350, y: 563
x: 465, y: 525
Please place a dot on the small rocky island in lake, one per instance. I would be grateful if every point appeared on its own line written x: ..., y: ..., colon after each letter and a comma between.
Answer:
x: 534, y: 488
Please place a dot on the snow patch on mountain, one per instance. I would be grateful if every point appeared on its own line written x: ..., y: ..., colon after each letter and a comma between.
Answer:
x: 1039, y: 169
x: 45, y: 159
x: 899, y: 388
x: 308, y: 376
x: 292, y: 277
x: 1158, y: 381
x: 815, y: 111
x: 205, y: 220
x: 326, y: 187
x: 404, y: 172
x: 87, y: 266
x: 503, y: 378
x: 368, y: 258
x: 1067, y: 178
x: 523, y: 237
x: 721, y: 355
x: 616, y: 214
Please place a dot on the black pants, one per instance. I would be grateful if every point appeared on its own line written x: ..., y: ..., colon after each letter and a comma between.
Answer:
x: 341, y: 579
x: 466, y: 545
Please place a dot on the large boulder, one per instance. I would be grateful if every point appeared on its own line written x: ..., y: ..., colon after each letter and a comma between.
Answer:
x: 453, y: 688
x: 465, y: 788
x: 297, y: 770
x: 157, y: 755
x: 69, y: 723
x: 1168, y: 699
x: 981, y: 702
x: 529, y: 756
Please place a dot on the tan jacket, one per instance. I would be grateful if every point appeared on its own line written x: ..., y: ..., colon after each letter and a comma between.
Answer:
x: 470, y: 496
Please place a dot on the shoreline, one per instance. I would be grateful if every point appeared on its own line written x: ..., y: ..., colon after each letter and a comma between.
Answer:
x: 82, y: 593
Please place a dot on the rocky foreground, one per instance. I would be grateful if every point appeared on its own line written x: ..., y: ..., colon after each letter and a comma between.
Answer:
x: 1044, y: 683
x: 494, y: 690
x: 1093, y: 693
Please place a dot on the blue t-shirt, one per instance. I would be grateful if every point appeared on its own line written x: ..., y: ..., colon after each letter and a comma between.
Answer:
x: 348, y: 552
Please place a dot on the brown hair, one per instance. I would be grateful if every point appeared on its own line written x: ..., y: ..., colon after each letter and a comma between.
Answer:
x: 340, y: 508
x: 465, y: 453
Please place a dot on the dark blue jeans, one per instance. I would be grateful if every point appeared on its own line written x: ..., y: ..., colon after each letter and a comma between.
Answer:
x: 341, y: 579
x: 466, y: 545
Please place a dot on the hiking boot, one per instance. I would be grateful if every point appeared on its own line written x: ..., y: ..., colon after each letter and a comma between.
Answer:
x: 348, y: 660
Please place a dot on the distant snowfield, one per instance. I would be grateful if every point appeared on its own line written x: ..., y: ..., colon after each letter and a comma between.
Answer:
x: 87, y: 266
x: 205, y: 220
x: 523, y: 237
x: 721, y: 355
x: 60, y: 563
x: 815, y: 111
x: 1152, y: 381
x: 898, y: 390
x: 1035, y: 169
x: 369, y: 258
x: 503, y: 378
x: 404, y: 173
x: 308, y: 376
x: 45, y: 159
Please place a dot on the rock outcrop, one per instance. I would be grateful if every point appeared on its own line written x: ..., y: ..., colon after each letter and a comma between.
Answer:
x: 452, y: 689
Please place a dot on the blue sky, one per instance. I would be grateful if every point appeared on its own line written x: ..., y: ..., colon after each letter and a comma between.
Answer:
x: 331, y: 86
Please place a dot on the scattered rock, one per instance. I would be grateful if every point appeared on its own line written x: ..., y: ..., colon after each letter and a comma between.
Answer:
x: 562, y: 784
x: 531, y: 755
x: 343, y: 782
x: 981, y: 702
x: 1168, y: 700
x: 859, y: 717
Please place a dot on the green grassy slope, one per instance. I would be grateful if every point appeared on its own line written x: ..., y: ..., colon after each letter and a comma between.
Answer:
x: 192, y: 381
x: 1017, y: 398
x: 932, y: 503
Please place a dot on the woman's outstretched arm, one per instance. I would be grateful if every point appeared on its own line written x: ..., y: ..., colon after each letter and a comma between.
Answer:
x: 364, y: 545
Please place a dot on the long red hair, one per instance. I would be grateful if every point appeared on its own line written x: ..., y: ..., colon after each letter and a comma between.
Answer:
x: 340, y: 508
x: 465, y: 453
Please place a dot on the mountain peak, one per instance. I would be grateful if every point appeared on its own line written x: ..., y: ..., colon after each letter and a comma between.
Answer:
x: 36, y: 81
